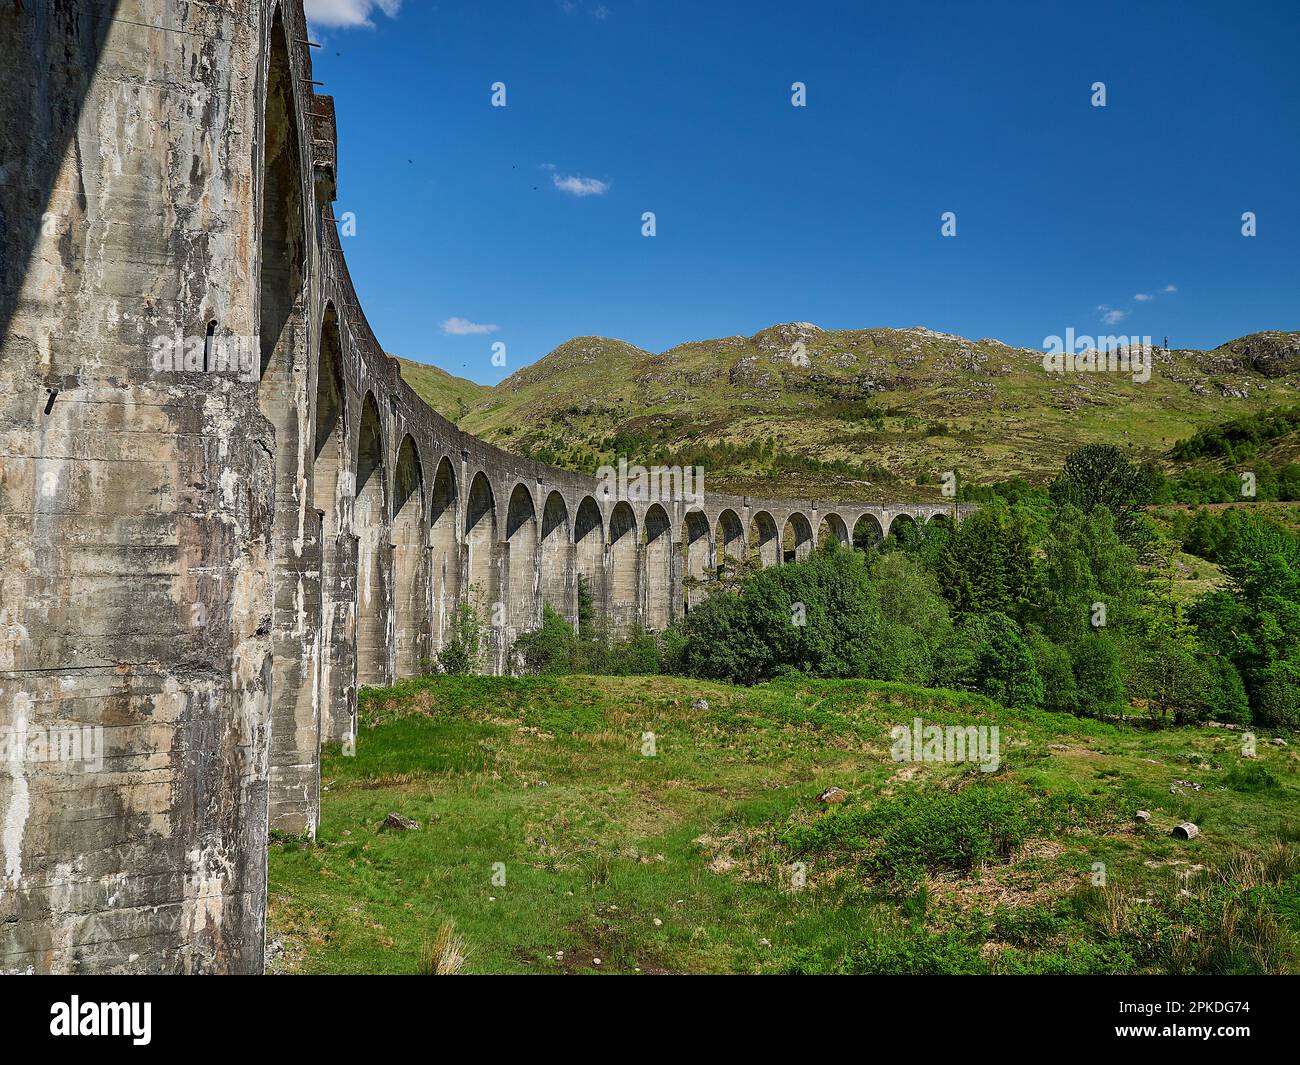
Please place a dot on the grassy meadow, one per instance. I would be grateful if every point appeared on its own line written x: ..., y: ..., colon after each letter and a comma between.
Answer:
x: 556, y: 836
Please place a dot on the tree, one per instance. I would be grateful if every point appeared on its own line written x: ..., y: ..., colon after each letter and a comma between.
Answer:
x: 817, y: 616
x: 1098, y: 475
x: 1098, y: 675
x: 988, y: 654
x: 987, y: 563
x: 1088, y: 578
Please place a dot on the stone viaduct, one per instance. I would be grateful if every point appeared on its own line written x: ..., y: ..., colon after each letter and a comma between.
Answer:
x: 203, y: 558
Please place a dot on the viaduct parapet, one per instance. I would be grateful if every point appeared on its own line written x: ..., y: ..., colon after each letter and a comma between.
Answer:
x: 207, y: 547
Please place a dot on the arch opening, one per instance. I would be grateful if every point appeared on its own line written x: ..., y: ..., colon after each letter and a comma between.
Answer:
x: 557, y: 579
x: 904, y: 533
x: 484, y: 591
x: 589, y: 558
x: 764, y: 543
x: 410, y: 593
x: 697, y: 545
x: 521, y: 548
x: 444, y: 553
x: 283, y: 340
x: 623, y: 567
x: 330, y: 501
x: 867, y: 533
x: 370, y: 518
x: 658, y: 568
x: 730, y: 542
x: 796, y: 538
x: 832, y: 527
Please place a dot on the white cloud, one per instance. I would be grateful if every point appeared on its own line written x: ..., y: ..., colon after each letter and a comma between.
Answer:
x: 1171, y: 288
x: 346, y: 13
x: 1144, y: 297
x: 460, y: 327
x: 580, y: 186
x: 1111, y: 316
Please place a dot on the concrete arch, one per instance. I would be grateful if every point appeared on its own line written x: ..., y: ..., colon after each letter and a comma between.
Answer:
x: 589, y: 559
x: 444, y: 551
x: 410, y: 571
x: 556, y: 557
x: 370, y: 518
x: 482, y: 565
x: 832, y: 527
x: 624, y: 564
x: 523, y: 608
x: 867, y: 532
x: 730, y: 541
x: 764, y: 539
x: 697, y: 546
x: 658, y: 551
x: 796, y: 538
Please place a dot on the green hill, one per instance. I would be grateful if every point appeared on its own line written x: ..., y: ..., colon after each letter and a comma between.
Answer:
x: 869, y: 413
x: 450, y: 396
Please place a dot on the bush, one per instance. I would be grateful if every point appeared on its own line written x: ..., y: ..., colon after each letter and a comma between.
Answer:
x: 922, y: 830
x: 1277, y: 696
x: 987, y: 654
x: 548, y: 650
x: 817, y: 617
x: 462, y: 654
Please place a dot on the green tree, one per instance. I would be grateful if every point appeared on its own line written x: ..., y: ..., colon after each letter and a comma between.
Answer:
x: 987, y: 563
x: 988, y: 654
x: 1098, y: 475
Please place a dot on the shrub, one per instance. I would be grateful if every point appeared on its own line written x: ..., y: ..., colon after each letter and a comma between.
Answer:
x: 816, y: 617
x: 1251, y: 776
x: 461, y: 655
x: 987, y: 654
x: 547, y: 650
x: 923, y: 830
x: 1277, y: 696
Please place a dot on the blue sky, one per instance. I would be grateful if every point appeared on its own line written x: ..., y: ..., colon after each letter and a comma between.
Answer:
x: 829, y: 213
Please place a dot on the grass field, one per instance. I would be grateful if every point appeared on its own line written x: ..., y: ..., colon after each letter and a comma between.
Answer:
x: 552, y: 838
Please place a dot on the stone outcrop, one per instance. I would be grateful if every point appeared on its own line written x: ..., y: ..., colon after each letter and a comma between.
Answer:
x: 221, y: 509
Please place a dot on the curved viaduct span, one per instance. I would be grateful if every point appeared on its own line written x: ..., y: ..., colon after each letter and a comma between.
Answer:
x: 208, y: 546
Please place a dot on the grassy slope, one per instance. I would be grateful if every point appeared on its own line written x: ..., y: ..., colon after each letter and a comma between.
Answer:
x: 546, y: 776
x: 450, y: 396
x: 1003, y: 416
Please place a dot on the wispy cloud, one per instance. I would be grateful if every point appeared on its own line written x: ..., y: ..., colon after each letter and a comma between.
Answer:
x: 1144, y: 297
x: 575, y: 185
x: 572, y: 7
x: 343, y: 14
x: 460, y: 327
x: 1171, y: 288
x: 1110, y: 315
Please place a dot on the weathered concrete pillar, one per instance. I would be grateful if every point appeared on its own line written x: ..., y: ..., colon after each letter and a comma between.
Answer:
x: 136, y: 565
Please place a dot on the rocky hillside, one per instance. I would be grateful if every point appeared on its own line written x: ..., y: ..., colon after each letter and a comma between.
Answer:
x: 869, y: 413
